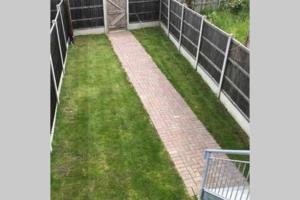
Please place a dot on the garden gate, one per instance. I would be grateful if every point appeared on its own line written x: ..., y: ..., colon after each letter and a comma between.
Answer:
x: 116, y: 14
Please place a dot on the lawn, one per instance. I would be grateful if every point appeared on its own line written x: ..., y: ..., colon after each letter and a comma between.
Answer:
x: 105, y: 146
x: 237, y: 23
x: 193, y: 89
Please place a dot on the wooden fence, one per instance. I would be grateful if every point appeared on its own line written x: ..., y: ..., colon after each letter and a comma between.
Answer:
x: 59, y: 42
x: 222, y: 61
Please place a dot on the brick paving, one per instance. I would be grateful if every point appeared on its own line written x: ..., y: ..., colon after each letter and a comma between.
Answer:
x: 182, y: 134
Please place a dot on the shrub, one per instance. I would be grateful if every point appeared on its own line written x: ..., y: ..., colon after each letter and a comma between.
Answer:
x: 236, y: 6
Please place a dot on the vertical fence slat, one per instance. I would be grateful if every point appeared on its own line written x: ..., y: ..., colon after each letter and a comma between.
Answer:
x: 199, y: 42
x: 224, y: 64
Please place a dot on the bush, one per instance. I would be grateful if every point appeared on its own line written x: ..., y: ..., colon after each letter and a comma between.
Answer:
x: 236, y: 6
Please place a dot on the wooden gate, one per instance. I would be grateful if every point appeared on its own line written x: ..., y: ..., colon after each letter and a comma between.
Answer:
x: 116, y: 14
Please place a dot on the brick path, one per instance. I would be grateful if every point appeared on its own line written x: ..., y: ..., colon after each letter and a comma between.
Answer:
x: 183, y: 135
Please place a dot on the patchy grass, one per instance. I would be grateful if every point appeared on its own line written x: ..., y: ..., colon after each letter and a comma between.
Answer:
x: 193, y: 89
x: 104, y: 145
x: 236, y: 23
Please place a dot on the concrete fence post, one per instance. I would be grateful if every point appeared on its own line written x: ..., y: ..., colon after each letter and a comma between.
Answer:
x: 105, y: 16
x: 224, y: 64
x: 199, y: 41
x: 127, y: 12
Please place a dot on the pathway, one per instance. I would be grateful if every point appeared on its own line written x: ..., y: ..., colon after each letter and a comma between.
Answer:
x: 183, y: 135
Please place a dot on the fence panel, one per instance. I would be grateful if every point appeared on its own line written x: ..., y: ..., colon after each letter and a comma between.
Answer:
x: 236, y: 82
x: 216, y: 36
x: 55, y: 54
x: 191, y: 31
x: 64, y: 16
x: 62, y: 40
x: 87, y: 14
x: 175, y: 19
x: 164, y: 12
x: 212, y: 51
x: 143, y: 10
x: 53, y: 98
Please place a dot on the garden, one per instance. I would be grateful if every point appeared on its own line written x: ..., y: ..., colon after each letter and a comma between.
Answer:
x: 108, y: 143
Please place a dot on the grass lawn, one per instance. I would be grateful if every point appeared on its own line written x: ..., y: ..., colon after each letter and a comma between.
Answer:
x: 236, y: 23
x: 193, y: 89
x: 104, y: 145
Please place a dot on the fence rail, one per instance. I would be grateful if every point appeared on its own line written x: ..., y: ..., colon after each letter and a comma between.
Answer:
x: 223, y: 60
x: 59, y: 40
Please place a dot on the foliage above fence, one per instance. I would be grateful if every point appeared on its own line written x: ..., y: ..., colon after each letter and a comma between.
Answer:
x: 220, y: 56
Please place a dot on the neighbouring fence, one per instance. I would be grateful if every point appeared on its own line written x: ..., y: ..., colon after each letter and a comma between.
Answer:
x: 143, y: 10
x: 87, y: 13
x: 199, y: 5
x: 59, y: 39
x: 219, y: 58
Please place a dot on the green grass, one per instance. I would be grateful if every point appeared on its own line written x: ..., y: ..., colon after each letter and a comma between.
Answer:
x: 235, y: 23
x: 104, y: 145
x: 193, y: 89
